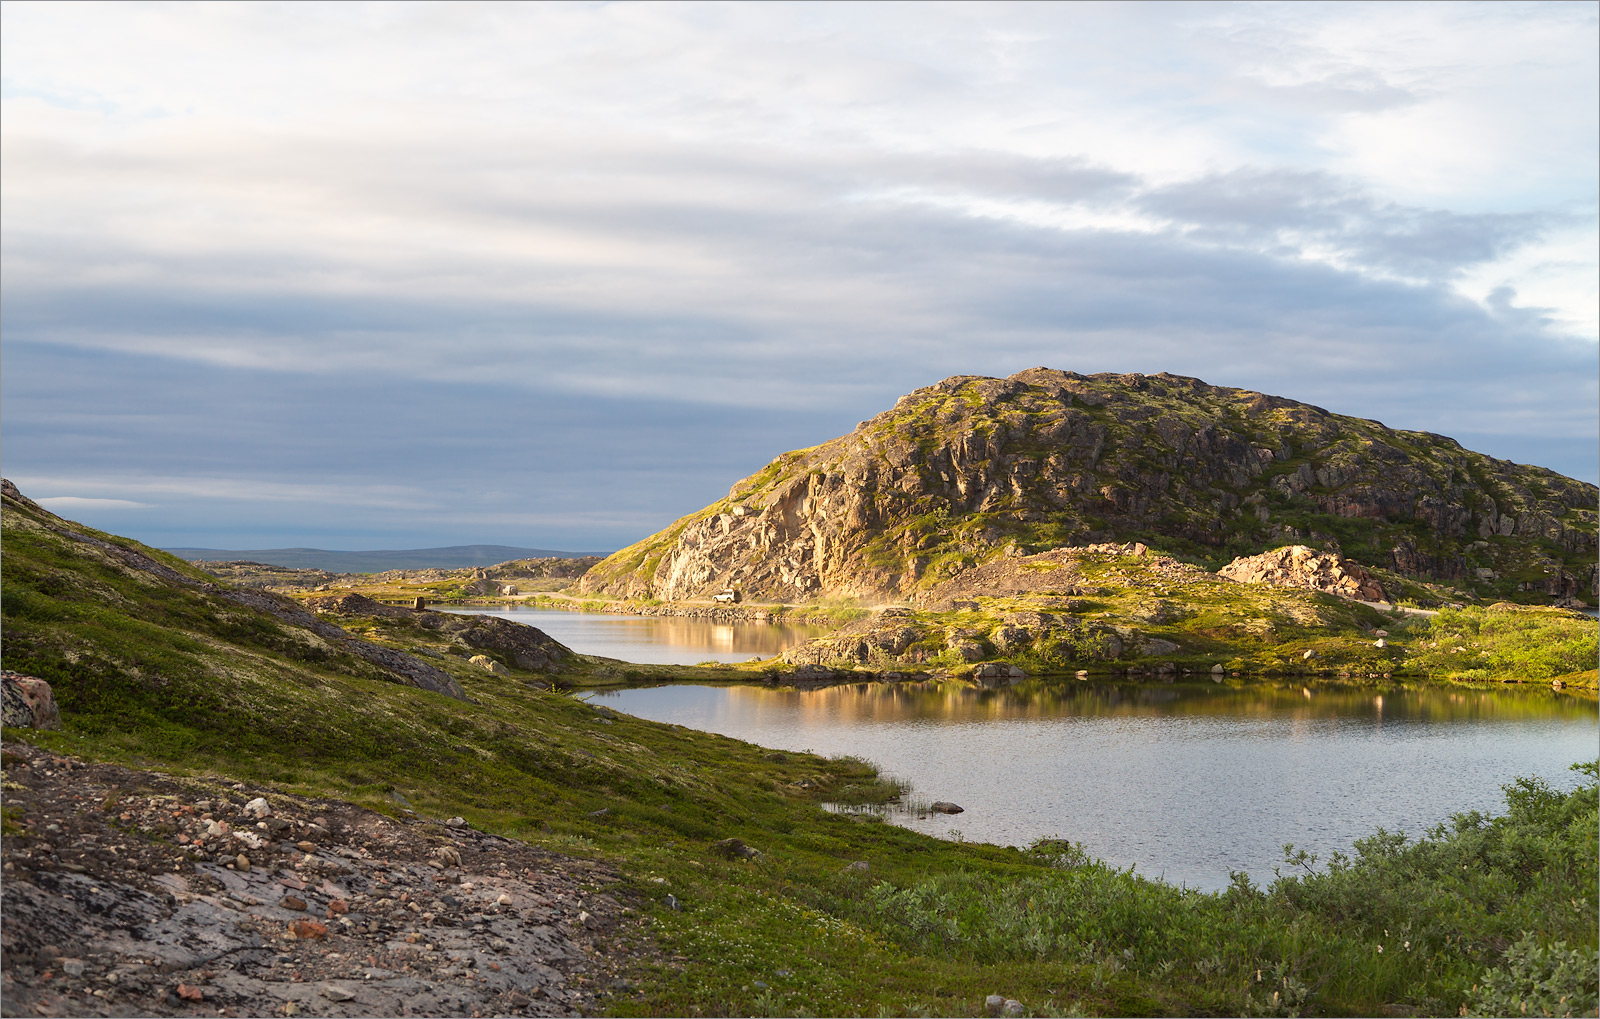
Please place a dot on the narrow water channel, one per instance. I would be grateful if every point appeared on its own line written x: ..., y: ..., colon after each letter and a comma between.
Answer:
x: 1186, y: 782
x: 655, y: 640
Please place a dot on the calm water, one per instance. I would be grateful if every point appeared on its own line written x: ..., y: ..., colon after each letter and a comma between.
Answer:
x: 656, y: 640
x: 1185, y: 781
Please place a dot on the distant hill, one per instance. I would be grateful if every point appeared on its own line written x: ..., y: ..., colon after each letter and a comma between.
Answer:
x: 452, y: 557
x: 972, y: 469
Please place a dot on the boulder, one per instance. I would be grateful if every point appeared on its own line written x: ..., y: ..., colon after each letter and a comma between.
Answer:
x: 945, y: 807
x: 27, y: 701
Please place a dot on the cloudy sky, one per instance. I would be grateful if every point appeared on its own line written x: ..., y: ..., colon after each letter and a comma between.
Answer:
x: 369, y: 275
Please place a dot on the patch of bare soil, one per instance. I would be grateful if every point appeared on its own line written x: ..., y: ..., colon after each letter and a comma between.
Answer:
x: 134, y: 893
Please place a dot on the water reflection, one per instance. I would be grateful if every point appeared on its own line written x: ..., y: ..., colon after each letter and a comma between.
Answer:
x: 655, y: 640
x: 1188, y: 781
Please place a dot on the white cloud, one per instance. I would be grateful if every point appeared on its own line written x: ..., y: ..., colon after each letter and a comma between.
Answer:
x: 67, y: 504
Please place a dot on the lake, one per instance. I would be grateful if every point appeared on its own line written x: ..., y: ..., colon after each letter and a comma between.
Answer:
x: 1183, y: 781
x: 655, y: 640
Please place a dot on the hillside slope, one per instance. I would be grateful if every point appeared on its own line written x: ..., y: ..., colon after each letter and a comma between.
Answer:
x: 962, y: 471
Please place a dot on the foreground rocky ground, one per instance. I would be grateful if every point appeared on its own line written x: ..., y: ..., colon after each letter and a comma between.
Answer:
x: 134, y: 893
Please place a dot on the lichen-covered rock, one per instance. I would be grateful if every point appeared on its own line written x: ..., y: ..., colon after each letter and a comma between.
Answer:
x: 1303, y: 567
x: 28, y: 702
x: 976, y: 471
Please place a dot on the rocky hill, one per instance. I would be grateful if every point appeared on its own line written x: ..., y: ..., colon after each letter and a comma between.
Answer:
x: 970, y: 469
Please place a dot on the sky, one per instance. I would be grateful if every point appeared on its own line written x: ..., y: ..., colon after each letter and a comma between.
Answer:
x: 373, y: 275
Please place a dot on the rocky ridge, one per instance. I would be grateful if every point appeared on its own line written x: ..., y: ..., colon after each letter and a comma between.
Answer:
x: 960, y: 472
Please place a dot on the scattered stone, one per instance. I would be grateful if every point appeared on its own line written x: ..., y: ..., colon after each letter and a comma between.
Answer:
x: 456, y: 822
x: 1218, y: 670
x: 945, y: 807
x: 1380, y: 642
x: 860, y: 866
x: 333, y: 993
x: 777, y: 757
x: 993, y: 1004
x: 293, y: 902
x: 189, y: 992
x: 258, y: 808
x: 72, y: 967
x: 1309, y: 655
x: 308, y: 929
x: 242, y: 862
x: 1013, y: 1007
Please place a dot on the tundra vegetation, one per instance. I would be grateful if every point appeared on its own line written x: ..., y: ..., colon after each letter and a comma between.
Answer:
x: 156, y: 665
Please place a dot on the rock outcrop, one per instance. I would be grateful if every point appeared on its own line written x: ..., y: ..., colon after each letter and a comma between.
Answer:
x: 962, y: 472
x: 525, y: 646
x: 1299, y: 566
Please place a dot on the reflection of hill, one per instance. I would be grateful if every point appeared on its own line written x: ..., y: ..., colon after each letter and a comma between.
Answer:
x: 907, y: 702
x: 765, y: 640
x: 583, y: 630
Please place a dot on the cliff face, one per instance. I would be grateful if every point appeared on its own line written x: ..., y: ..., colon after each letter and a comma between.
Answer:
x: 970, y: 468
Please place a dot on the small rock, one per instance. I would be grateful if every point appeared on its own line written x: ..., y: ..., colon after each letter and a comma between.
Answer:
x: 993, y: 1004
x: 602, y: 812
x: 503, y: 900
x: 860, y: 866
x: 1013, y: 1007
x: 338, y: 907
x: 290, y: 1008
x: 305, y: 847
x: 258, y: 808
x: 1309, y: 655
x: 735, y: 849
x: 778, y: 758
x: 242, y: 862
x: 1380, y: 642
x: 485, y: 662
x: 333, y: 993
x: 457, y: 822
x: 308, y: 929
x: 72, y: 967
x: 672, y: 903
x: 1380, y: 633
x: 945, y: 807
x: 292, y: 902
x: 1218, y: 670
x: 189, y: 992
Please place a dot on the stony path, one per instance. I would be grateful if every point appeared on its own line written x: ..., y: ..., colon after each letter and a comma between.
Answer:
x: 133, y: 893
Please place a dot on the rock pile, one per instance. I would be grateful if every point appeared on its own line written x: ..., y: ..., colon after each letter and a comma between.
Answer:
x: 1303, y: 567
